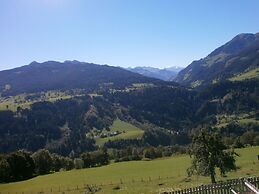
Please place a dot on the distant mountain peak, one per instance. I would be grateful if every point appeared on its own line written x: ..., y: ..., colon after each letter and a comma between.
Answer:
x: 238, y: 43
x: 33, y: 63
x: 73, y: 62
x: 165, y: 74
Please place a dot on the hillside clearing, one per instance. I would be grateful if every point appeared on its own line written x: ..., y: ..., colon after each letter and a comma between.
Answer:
x: 125, y: 130
x: 253, y: 73
x: 244, y: 119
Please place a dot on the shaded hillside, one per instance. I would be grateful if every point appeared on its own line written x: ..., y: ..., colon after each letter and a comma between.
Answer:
x: 238, y: 56
x: 54, y: 75
x: 167, y: 107
x: 179, y: 109
x: 60, y: 126
x: 229, y: 98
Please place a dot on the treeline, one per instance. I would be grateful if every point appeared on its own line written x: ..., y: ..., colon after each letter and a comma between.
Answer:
x: 22, y: 165
x: 234, y: 134
x: 152, y: 137
x: 145, y: 153
x: 238, y: 136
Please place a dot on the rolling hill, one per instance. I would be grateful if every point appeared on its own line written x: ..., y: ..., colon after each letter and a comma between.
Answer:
x: 236, y: 57
x: 52, y: 75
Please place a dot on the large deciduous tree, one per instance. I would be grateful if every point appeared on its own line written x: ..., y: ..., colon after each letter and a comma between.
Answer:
x: 208, y: 153
x: 43, y: 161
x: 5, y: 170
x: 17, y: 166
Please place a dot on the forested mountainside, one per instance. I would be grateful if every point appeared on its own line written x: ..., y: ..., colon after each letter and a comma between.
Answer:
x: 166, y: 113
x: 52, y: 75
x: 61, y: 126
x: 238, y: 56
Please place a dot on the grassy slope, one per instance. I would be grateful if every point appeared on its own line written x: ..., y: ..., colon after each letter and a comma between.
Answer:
x: 253, y: 73
x: 241, y: 121
x: 128, y: 175
x: 128, y: 131
x: 19, y: 100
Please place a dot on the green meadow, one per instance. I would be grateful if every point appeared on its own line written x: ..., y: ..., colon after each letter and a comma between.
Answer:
x: 242, y: 119
x: 253, y: 73
x: 126, y: 130
x: 23, y: 100
x: 134, y: 177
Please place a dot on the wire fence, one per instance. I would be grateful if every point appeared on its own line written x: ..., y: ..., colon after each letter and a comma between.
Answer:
x: 87, y: 188
x: 232, y: 186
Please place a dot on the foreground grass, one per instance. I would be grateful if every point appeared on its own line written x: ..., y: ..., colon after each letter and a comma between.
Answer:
x: 127, y: 131
x: 133, y: 177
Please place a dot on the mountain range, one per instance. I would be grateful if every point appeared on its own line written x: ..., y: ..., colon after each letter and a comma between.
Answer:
x: 53, y: 75
x: 236, y: 60
x: 238, y: 56
x: 165, y: 74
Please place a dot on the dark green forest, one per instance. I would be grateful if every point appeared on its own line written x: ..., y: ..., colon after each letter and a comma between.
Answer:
x: 170, y: 112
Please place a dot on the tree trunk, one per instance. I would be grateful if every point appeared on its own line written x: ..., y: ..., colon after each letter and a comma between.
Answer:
x: 212, y: 176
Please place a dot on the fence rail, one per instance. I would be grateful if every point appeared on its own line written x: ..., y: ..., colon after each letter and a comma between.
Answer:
x: 229, y: 187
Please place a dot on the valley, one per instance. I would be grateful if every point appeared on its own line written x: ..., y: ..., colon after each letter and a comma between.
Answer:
x: 129, y: 97
x: 112, y: 130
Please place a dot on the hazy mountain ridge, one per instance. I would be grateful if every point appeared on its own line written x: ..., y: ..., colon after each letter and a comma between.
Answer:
x: 165, y: 74
x: 236, y: 56
x: 52, y: 75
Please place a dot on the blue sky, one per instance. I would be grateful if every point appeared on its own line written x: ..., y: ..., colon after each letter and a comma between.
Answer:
x: 159, y: 33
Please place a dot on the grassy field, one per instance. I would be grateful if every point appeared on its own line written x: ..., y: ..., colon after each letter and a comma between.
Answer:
x: 133, y: 177
x: 244, y: 119
x: 127, y: 131
x: 13, y: 102
x: 253, y: 73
